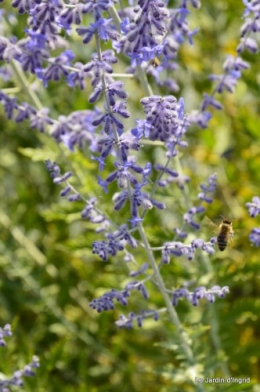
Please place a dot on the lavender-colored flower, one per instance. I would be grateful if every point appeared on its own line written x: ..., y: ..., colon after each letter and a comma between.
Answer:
x: 24, y: 112
x: 5, y: 332
x: 97, y: 8
x: 60, y: 128
x: 69, y: 16
x: 200, y: 118
x: 162, y: 169
x: 127, y: 322
x: 123, y: 234
x: 105, y: 302
x: 145, y: 30
x: 123, y: 175
x: 177, y: 32
x: 100, y: 65
x: 81, y: 129
x: 162, y: 117
x: 140, y: 271
x: 120, y: 199
x: 105, y: 248
x: 179, y: 26
x: 254, y: 236
x: 9, y: 49
x: 177, y: 248
x: 40, y: 120
x: 77, y: 77
x: 58, y: 66
x: 33, y: 52
x: 103, y: 27
x: 233, y: 66
x: 208, y: 188
x: 110, y: 124
x: 210, y: 101
x: 10, y: 105
x: 254, y: 207
x: 235, y: 63
x: 54, y: 169
x: 24, y: 5
x: 198, y: 294
x: 91, y: 213
x: 226, y: 82
x: 188, y: 217
x: 248, y: 43
x: 27, y: 371
x: 250, y: 26
x: 43, y: 17
x: 180, y: 233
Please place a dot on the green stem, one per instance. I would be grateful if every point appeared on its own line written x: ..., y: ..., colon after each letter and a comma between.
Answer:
x: 171, y: 310
x: 26, y: 85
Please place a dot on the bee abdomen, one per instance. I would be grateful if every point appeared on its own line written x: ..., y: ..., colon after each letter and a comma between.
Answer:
x: 222, y: 242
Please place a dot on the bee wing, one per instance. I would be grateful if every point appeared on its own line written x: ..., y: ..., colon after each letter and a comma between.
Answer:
x: 209, y: 225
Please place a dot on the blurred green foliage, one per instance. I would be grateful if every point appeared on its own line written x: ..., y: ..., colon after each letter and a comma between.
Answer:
x: 48, y: 272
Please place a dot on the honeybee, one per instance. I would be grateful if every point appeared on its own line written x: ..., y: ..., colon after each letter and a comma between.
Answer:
x: 155, y: 62
x: 225, y: 233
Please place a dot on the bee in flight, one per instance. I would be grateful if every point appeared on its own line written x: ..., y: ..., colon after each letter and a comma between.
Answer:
x: 225, y: 233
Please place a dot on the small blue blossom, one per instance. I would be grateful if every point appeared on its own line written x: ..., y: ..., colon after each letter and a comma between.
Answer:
x: 69, y: 16
x: 60, y: 128
x: 92, y: 213
x: 110, y: 120
x: 226, y: 82
x: 105, y: 248
x: 145, y: 30
x: 40, y: 120
x: 198, y: 294
x: 58, y: 66
x: 177, y: 248
x: 248, y: 43
x: 10, y: 105
x: 210, y: 101
x: 161, y: 116
x: 5, y: 332
x: 97, y: 7
x: 34, y: 52
x: 250, y: 26
x: 122, y: 234
x: 160, y: 168
x: 200, y: 118
x: 24, y: 5
x: 77, y: 77
x: 54, y: 169
x: 24, y: 112
x: 188, y: 217
x: 105, y: 302
x: 254, y: 207
x: 254, y: 236
x: 44, y: 14
x: 127, y: 322
x: 140, y: 271
x: 208, y: 189
x: 16, y: 378
x: 180, y: 233
x: 179, y: 26
x: 103, y: 27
